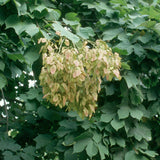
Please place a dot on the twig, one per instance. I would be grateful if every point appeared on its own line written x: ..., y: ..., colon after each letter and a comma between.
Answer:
x: 5, y: 106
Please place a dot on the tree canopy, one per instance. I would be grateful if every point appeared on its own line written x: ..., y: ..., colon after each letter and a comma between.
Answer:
x: 126, y: 122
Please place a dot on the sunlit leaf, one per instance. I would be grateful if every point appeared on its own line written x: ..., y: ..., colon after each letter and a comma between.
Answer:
x: 65, y: 32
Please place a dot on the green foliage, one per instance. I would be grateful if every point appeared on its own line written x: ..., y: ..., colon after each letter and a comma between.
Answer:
x: 3, y: 81
x: 126, y: 123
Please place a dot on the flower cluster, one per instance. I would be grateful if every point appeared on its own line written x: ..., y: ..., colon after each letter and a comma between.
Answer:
x: 71, y: 77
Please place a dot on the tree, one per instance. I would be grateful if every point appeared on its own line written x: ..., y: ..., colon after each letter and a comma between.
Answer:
x: 126, y: 122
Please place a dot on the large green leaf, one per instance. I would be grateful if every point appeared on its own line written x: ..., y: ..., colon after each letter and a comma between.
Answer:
x: 20, y: 26
x: 154, y: 108
x: 103, y: 150
x: 131, y: 155
x: 111, y: 33
x: 124, y: 65
x: 80, y: 145
x: 121, y: 142
x: 84, y: 135
x: 86, y: 124
x: 32, y: 93
x: 21, y: 7
x: 136, y: 96
x: 31, y: 29
x: 112, y: 141
x: 136, y: 113
x: 81, y: 142
x: 53, y: 15
x: 26, y: 156
x: 62, y: 131
x: 9, y: 144
x: 140, y: 132
x: 109, y: 111
x: 69, y: 140
x: 68, y: 155
x: 145, y: 38
x: 107, y: 117
x: 137, y: 23
x: 16, y: 56
x: 42, y: 140
x: 118, y: 156
x: 97, y: 137
x: 31, y: 105
x: 39, y: 8
x: 48, y: 3
x: 65, y: 32
x: 121, y: 2
x: 3, y: 2
x: 131, y: 79
x: 117, y: 124
x: 69, y: 124
x: 85, y: 33
x: 157, y: 28
x: 15, y: 71
x: 30, y: 150
x: 138, y: 50
x: 148, y: 24
x: 9, y: 155
x: 151, y: 94
x: 124, y: 46
x: 122, y: 51
x: 31, y: 54
x: 48, y: 114
x: 155, y: 48
x: 91, y: 149
x: 98, y: 6
x: 72, y: 16
x: 152, y: 12
x: 110, y: 90
x: 69, y: 22
x: 123, y: 112
x: 149, y: 153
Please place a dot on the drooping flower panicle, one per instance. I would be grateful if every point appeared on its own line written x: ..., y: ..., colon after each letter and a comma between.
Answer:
x: 72, y: 77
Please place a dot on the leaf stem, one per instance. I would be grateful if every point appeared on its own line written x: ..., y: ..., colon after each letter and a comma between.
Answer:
x: 60, y: 47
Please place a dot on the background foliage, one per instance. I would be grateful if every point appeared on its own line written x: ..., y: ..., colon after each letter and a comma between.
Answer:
x: 126, y: 124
